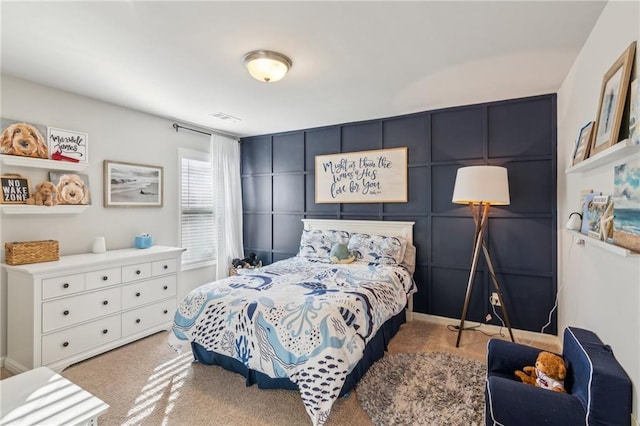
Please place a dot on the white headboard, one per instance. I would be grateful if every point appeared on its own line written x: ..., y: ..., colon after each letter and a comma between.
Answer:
x: 372, y: 227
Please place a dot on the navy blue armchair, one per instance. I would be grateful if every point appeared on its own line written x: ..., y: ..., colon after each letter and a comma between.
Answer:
x: 598, y: 389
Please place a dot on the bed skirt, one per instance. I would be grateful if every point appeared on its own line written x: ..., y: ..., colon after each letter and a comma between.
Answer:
x: 373, y: 352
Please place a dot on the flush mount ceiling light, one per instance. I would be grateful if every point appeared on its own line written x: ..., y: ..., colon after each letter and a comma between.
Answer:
x: 266, y: 66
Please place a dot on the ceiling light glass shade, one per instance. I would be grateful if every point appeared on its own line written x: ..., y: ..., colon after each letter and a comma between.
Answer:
x: 487, y: 184
x: 266, y: 66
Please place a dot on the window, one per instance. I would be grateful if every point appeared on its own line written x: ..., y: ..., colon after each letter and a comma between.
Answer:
x: 197, y: 218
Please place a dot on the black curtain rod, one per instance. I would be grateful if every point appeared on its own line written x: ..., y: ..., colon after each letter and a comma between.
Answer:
x: 177, y: 126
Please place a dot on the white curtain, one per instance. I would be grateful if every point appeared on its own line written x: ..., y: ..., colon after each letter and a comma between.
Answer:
x: 226, y: 174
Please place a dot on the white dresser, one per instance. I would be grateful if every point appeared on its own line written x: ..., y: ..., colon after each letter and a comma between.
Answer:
x: 82, y: 305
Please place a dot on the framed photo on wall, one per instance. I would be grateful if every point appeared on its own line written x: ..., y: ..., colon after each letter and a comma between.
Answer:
x: 613, y: 95
x: 132, y: 185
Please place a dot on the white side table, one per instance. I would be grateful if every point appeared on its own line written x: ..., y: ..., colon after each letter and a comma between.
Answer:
x: 41, y: 396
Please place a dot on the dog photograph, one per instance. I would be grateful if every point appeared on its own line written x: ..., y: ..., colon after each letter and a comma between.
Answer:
x: 73, y: 188
x: 23, y: 139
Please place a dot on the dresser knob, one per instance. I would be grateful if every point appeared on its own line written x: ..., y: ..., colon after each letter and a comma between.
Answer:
x: 138, y: 294
x: 105, y: 331
x: 65, y: 344
x: 65, y: 313
x: 106, y: 302
x: 165, y: 287
x: 166, y: 312
x: 104, y: 278
x: 138, y: 272
x: 165, y: 267
x: 138, y: 321
x: 65, y: 285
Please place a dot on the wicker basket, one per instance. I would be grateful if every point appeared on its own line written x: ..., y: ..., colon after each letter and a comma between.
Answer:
x: 21, y: 253
x: 234, y: 271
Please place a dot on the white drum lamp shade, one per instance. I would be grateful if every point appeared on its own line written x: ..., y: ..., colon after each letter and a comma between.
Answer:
x: 482, y: 184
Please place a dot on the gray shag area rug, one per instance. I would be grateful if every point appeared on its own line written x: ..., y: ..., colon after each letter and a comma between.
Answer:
x: 432, y: 388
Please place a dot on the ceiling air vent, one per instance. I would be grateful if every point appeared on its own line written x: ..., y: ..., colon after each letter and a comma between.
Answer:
x: 225, y: 117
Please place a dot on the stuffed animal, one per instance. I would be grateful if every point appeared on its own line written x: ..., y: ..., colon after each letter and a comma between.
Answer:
x: 46, y: 194
x: 250, y: 261
x: 549, y: 372
x: 340, y: 254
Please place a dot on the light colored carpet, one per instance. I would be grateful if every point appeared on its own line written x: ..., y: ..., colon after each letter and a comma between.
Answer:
x: 432, y: 388
x: 148, y: 383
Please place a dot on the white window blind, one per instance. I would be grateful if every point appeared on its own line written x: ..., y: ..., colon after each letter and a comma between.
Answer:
x: 197, y: 218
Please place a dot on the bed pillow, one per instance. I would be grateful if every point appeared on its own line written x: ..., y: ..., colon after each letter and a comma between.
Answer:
x: 378, y: 249
x: 409, y: 259
x: 317, y: 244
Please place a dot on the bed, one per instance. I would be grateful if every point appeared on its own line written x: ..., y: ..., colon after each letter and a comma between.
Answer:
x: 305, y: 323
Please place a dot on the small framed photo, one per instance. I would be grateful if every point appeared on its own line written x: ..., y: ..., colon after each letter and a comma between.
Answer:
x: 584, y: 142
x: 613, y: 95
x: 15, y: 189
x: 73, y: 188
x: 132, y: 185
x: 68, y: 145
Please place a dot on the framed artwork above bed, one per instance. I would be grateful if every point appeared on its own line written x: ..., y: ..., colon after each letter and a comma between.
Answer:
x: 377, y: 176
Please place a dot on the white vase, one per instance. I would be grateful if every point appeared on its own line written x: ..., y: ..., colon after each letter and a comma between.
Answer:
x: 99, y: 245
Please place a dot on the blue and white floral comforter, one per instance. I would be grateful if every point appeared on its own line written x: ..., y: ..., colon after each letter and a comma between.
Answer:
x: 304, y: 320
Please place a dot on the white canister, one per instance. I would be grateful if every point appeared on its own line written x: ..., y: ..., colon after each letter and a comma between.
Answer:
x: 99, y: 245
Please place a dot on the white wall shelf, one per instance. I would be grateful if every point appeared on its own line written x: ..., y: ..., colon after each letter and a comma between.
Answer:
x: 41, y: 163
x: 620, y: 251
x: 618, y: 151
x: 30, y: 209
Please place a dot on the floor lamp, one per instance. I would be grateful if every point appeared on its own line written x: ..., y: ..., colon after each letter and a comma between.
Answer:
x: 480, y: 187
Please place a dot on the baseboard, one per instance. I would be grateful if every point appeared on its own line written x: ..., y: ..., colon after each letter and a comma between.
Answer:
x: 521, y: 336
x: 14, y: 367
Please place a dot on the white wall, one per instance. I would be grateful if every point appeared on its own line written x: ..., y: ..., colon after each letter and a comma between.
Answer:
x: 599, y: 290
x: 115, y: 133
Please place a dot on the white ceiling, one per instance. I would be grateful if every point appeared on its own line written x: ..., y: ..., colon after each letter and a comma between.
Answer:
x: 352, y: 61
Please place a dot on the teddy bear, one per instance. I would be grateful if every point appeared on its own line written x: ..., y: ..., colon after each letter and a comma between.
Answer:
x: 46, y: 194
x: 340, y: 253
x: 548, y: 373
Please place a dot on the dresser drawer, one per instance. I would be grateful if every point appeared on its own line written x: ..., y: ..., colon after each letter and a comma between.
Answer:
x: 138, y: 294
x: 162, y: 267
x: 74, y: 309
x: 103, y: 278
x: 136, y: 272
x: 62, y: 286
x: 78, y: 339
x: 148, y: 316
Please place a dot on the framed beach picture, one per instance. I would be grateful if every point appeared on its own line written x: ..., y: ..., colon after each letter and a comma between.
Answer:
x: 132, y: 185
x: 613, y: 95
x: 626, y: 199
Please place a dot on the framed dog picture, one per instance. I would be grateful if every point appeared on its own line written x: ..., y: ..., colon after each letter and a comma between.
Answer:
x: 23, y: 139
x: 15, y: 189
x: 73, y: 188
x: 132, y: 185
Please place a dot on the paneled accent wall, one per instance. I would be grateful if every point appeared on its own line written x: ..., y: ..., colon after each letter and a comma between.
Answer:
x: 520, y: 134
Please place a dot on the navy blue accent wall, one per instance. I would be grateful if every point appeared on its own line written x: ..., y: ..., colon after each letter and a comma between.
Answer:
x: 520, y: 134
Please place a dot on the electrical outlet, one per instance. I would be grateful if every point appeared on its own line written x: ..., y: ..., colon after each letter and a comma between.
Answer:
x: 495, y: 300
